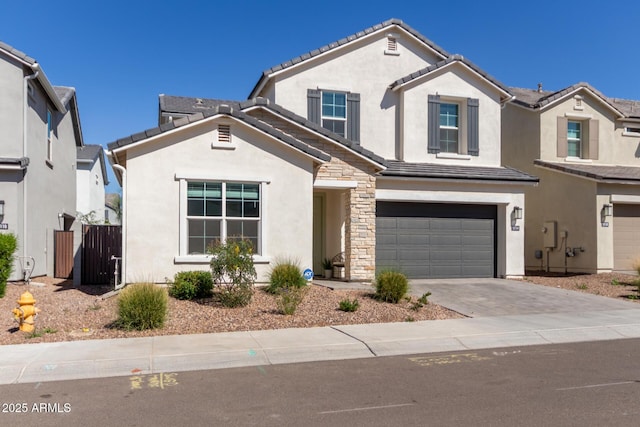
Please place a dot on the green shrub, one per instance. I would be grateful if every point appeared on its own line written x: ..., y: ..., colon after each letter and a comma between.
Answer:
x: 233, y: 272
x: 142, y: 306
x: 391, y: 286
x: 420, y: 302
x: 348, y: 305
x: 8, y: 246
x: 289, y: 298
x: 286, y: 273
x: 188, y: 285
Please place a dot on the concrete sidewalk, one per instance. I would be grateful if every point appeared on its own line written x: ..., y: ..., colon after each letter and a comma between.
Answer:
x: 139, y: 356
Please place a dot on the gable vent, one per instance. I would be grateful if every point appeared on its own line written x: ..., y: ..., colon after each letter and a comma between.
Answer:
x: 392, y: 44
x: 224, y: 133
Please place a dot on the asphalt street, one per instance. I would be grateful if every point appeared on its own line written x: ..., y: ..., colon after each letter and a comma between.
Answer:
x: 578, y: 384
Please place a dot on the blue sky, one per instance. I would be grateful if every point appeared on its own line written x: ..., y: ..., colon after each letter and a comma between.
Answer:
x: 120, y: 55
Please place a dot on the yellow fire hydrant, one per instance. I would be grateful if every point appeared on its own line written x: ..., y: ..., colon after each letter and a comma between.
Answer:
x: 27, y: 312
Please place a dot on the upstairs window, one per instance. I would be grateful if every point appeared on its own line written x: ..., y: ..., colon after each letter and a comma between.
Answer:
x: 449, y: 130
x: 334, y: 112
x: 574, y: 139
x: 49, y: 136
x: 338, y: 112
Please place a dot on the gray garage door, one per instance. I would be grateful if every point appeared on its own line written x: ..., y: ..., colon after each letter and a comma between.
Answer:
x: 430, y: 240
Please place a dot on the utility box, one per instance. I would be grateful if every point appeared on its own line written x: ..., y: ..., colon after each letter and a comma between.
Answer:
x: 550, y: 234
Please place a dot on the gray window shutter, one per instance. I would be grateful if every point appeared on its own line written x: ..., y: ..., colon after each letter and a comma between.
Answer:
x: 562, y: 148
x: 313, y: 106
x: 433, y: 127
x: 473, y: 136
x: 353, y: 117
x: 592, y: 150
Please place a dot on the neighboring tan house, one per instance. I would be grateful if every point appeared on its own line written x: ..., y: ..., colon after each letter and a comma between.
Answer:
x: 39, y: 133
x: 381, y: 147
x: 585, y: 214
x: 91, y: 180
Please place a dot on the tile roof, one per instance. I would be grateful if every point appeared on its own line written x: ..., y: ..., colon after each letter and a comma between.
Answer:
x: 534, y: 99
x: 223, y: 109
x: 18, y: 54
x: 64, y: 93
x: 431, y: 170
x: 343, y: 41
x: 184, y: 105
x: 604, y: 173
x: 443, y: 63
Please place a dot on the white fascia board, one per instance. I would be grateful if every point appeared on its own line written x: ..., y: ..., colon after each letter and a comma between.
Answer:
x: 334, y: 184
x: 625, y: 198
x: 373, y: 162
x: 212, y: 176
x: 462, y: 196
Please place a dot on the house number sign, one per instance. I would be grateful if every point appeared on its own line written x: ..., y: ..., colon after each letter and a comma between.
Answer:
x: 4, y: 226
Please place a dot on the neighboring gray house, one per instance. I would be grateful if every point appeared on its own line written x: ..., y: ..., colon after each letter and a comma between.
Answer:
x: 91, y: 180
x: 39, y: 133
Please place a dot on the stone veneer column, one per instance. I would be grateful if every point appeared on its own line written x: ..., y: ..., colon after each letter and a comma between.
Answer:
x: 360, y: 230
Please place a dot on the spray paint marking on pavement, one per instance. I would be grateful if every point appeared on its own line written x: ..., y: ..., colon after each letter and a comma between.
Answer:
x: 448, y: 359
x: 159, y: 381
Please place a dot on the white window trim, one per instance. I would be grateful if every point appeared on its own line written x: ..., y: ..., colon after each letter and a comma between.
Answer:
x: 580, y: 140
x: 445, y: 155
x: 572, y: 159
x: 49, y: 133
x: 460, y: 106
x: 183, y: 256
x: 627, y: 125
x: 323, y: 117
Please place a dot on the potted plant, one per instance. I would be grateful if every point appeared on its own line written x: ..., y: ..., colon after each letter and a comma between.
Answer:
x: 327, y: 265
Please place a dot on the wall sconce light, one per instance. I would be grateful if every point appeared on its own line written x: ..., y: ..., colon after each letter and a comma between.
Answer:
x: 1, y: 208
x: 517, y: 212
x: 607, y: 210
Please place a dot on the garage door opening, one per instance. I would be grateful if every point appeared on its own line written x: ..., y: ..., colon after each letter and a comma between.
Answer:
x: 436, y: 240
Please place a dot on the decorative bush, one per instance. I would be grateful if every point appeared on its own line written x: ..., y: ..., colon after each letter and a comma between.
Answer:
x: 391, y: 286
x: 188, y: 285
x: 8, y: 246
x: 286, y: 273
x: 233, y: 272
x: 349, y: 305
x: 142, y: 306
x: 289, y: 298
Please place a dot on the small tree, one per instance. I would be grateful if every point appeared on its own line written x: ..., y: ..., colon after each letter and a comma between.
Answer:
x: 8, y: 246
x: 233, y: 272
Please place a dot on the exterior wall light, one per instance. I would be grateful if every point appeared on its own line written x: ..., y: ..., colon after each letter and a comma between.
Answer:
x: 517, y: 212
x: 607, y: 210
x: 1, y: 208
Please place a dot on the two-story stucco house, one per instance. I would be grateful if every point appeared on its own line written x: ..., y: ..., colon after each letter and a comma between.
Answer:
x: 585, y: 214
x: 91, y: 180
x: 39, y: 133
x: 381, y: 146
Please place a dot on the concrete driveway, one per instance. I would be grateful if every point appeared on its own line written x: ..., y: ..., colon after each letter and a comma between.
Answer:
x: 500, y: 297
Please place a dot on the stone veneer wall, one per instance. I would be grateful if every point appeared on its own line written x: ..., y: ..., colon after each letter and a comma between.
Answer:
x: 360, y: 202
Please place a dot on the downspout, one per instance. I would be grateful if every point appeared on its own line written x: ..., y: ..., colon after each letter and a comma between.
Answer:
x: 25, y: 113
x: 123, y: 214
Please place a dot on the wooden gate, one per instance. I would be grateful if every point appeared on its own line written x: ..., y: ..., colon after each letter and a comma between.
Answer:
x: 99, y: 244
x: 63, y: 254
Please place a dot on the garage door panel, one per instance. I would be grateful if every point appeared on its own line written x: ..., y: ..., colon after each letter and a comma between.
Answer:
x: 457, y: 241
x: 626, y: 236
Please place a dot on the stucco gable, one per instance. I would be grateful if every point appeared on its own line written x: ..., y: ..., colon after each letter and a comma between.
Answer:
x: 447, y: 63
x: 310, y: 56
x: 91, y: 154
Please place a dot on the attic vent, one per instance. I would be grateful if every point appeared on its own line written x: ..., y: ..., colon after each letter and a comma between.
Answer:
x: 224, y: 133
x: 392, y: 44
x: 578, y: 103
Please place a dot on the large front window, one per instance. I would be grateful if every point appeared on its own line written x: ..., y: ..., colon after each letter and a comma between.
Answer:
x: 217, y: 211
x: 449, y: 128
x: 574, y: 139
x: 334, y: 112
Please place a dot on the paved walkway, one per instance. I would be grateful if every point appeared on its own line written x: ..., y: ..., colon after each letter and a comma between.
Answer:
x: 523, y: 321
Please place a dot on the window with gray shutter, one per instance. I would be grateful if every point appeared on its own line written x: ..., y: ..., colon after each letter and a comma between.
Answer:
x: 473, y: 140
x: 433, y: 113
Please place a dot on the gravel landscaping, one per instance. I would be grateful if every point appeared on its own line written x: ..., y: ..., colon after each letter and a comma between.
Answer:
x: 68, y: 313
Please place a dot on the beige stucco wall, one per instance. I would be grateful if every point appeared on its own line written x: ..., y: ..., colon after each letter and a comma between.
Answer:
x: 361, y: 67
x: 455, y: 83
x: 510, y: 243
x: 154, y: 200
